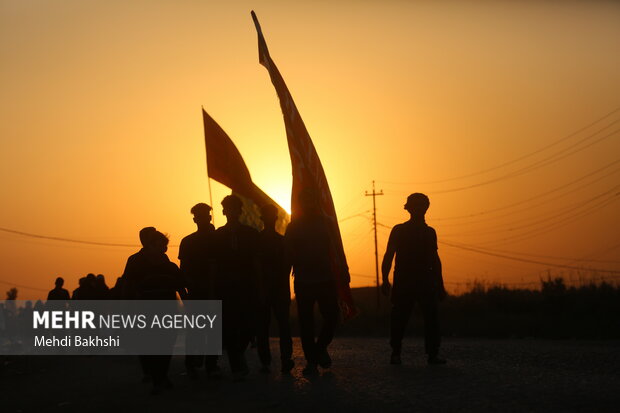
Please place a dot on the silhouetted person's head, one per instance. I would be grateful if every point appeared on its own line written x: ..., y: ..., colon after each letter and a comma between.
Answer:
x: 59, y: 282
x: 158, y: 243
x: 309, y: 202
x: 232, y: 207
x: 417, y: 204
x: 101, y: 280
x: 269, y: 215
x: 145, y: 234
x: 83, y: 281
x: 91, y: 279
x: 202, y: 215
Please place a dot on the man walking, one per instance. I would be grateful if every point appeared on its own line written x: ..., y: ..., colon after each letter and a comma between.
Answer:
x: 307, y: 241
x: 237, y: 283
x: 275, y: 272
x: 196, y: 255
x: 417, y: 278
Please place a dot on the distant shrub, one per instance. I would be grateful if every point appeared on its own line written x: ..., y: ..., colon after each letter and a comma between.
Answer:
x: 555, y: 310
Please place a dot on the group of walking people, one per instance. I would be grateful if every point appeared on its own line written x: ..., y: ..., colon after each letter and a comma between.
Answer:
x: 249, y: 272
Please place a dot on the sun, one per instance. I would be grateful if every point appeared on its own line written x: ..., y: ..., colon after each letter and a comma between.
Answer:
x: 283, y: 198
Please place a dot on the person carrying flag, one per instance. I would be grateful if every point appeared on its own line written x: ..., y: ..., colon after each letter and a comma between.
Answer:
x: 307, y: 242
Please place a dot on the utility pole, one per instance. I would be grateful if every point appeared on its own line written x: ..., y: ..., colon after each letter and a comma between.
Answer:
x: 374, y: 195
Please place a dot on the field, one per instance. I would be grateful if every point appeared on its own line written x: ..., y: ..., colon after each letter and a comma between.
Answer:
x: 555, y: 310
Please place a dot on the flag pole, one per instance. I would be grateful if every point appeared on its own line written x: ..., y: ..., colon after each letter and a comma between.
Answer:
x: 211, y: 199
x: 209, y: 178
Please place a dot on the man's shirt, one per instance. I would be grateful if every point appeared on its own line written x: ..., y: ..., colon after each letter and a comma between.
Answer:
x: 196, y: 254
x: 58, y: 294
x: 275, y: 268
x: 307, y: 242
x: 237, y: 260
x: 417, y: 263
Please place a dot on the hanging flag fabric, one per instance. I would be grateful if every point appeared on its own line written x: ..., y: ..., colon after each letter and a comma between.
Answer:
x: 226, y: 166
x: 308, y: 174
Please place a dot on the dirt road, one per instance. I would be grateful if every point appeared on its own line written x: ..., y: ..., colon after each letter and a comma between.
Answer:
x: 481, y: 375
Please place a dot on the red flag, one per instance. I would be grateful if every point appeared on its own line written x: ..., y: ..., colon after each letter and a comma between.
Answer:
x: 226, y: 166
x: 308, y: 174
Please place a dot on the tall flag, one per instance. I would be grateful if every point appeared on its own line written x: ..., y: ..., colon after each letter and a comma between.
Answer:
x: 226, y: 166
x: 308, y: 174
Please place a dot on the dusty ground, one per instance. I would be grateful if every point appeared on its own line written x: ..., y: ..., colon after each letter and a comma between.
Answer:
x: 482, y: 375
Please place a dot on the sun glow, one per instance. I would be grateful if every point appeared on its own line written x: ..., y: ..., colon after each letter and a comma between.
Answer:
x: 281, y: 194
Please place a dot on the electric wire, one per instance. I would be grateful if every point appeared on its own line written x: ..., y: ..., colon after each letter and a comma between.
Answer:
x: 537, y: 165
x: 543, y: 218
x: 528, y: 200
x: 557, y: 142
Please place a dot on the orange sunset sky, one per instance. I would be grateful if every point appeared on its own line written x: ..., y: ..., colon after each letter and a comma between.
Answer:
x: 504, y: 113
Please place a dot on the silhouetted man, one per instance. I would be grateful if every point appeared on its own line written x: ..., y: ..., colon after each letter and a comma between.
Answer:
x: 275, y: 272
x: 417, y: 278
x: 237, y: 283
x: 58, y: 293
x: 161, y: 281
x: 85, y: 290
x: 101, y: 289
x: 135, y: 272
x: 197, y: 255
x: 134, y: 269
x: 150, y: 275
x: 116, y: 292
x: 307, y: 241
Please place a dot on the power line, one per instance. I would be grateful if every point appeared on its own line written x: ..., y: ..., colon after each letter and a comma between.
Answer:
x: 545, y: 218
x: 536, y: 165
x: 77, y: 241
x: 599, y: 252
x: 525, y: 170
x: 552, y: 226
x: 538, y: 255
x: 572, y: 267
x: 475, y: 262
x: 361, y: 214
x: 27, y: 287
x: 383, y: 225
x: 73, y: 240
x: 543, y: 195
x: 516, y: 159
x: 554, y: 213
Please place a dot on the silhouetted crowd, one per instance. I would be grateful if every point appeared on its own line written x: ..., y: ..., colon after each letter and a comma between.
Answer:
x: 91, y: 287
x: 249, y: 272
